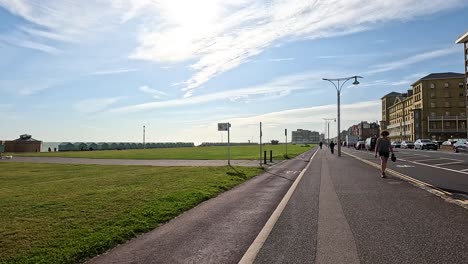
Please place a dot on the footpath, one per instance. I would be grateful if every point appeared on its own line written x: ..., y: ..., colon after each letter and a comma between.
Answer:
x: 340, y: 211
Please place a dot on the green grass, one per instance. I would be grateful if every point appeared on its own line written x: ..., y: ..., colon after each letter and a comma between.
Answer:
x: 193, y: 153
x: 58, y: 213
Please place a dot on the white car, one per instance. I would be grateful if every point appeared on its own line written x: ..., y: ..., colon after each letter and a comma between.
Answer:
x: 446, y: 143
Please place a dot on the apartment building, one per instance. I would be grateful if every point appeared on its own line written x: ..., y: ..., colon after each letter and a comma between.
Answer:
x: 463, y: 39
x: 302, y: 136
x: 364, y: 130
x: 434, y: 108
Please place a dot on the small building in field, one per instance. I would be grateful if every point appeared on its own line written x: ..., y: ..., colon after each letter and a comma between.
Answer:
x: 25, y: 143
x: 80, y: 146
x: 92, y: 146
x: 113, y: 146
x: 102, y: 146
x: 66, y: 146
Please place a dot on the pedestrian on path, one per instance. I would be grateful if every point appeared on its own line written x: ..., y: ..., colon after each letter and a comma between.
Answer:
x: 332, y: 147
x: 320, y: 144
x: 383, y: 147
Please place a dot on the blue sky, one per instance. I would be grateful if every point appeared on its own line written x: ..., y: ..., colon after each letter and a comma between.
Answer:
x: 100, y: 70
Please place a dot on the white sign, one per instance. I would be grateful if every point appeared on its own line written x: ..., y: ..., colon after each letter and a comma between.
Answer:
x: 223, y: 126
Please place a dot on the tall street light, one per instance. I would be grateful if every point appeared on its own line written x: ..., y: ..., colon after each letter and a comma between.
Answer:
x: 327, y: 122
x: 339, y: 83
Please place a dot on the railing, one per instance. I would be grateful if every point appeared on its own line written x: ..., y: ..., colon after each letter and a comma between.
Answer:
x: 449, y: 130
x: 438, y: 118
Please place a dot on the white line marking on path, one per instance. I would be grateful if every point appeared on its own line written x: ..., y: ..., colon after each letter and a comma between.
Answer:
x: 432, y: 166
x: 251, y: 253
x: 448, y: 163
x: 464, y: 170
x: 426, y: 160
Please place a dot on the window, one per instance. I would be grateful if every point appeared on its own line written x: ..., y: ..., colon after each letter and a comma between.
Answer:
x: 447, y: 94
x: 433, y: 114
x: 432, y: 86
x: 446, y: 85
x: 447, y: 113
x: 447, y: 124
x: 433, y: 105
x: 432, y: 95
x: 460, y: 85
x: 446, y: 104
x: 461, y: 104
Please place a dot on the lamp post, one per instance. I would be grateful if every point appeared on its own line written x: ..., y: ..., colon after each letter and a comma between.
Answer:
x: 339, y: 83
x: 327, y: 121
x: 144, y: 145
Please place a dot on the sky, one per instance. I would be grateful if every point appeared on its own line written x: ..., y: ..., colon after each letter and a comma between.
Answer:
x: 101, y: 70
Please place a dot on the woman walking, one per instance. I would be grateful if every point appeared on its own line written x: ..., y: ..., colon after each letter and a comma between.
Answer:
x: 383, y: 147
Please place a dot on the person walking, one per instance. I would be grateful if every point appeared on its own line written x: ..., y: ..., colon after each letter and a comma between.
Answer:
x: 320, y: 144
x: 332, y: 147
x: 383, y: 147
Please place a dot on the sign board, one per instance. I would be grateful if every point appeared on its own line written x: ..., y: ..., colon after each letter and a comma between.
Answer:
x: 285, y: 131
x: 223, y: 126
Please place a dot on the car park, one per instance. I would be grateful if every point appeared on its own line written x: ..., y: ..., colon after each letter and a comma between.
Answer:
x: 370, y: 143
x: 425, y: 144
x: 407, y: 144
x: 447, y: 143
x: 396, y: 144
x: 360, y: 145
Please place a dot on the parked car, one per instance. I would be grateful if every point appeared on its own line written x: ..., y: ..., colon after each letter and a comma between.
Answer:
x: 459, y: 142
x: 360, y: 145
x: 461, y: 148
x: 396, y: 144
x: 407, y: 144
x: 425, y: 144
x: 370, y: 143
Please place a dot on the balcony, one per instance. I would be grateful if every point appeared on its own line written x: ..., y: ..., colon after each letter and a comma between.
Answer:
x: 446, y: 130
x: 440, y: 118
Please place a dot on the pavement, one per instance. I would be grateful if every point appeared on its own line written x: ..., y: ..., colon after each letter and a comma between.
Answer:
x: 335, y: 210
x: 170, y: 163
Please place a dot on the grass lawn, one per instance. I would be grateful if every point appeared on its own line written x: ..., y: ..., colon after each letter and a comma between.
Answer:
x: 59, y: 213
x: 194, y: 153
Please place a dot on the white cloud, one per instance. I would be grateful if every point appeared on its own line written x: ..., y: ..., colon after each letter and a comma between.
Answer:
x: 155, y: 93
x: 94, y: 105
x: 117, y: 71
x: 413, y: 59
x: 281, y: 59
x: 277, y: 88
x: 221, y: 35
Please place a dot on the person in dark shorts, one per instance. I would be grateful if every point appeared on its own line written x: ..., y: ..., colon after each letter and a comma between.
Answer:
x: 383, y: 147
x: 332, y: 147
x: 320, y: 144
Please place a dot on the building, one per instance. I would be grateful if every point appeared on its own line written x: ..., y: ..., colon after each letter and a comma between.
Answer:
x: 365, y: 130
x: 435, y: 108
x: 302, y: 136
x: 25, y: 143
x: 463, y: 39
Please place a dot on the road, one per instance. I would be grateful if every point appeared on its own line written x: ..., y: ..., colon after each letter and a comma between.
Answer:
x: 336, y: 210
x: 445, y: 170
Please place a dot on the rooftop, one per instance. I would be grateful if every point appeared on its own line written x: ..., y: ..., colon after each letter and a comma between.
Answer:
x: 391, y: 94
x: 441, y: 75
x: 462, y: 39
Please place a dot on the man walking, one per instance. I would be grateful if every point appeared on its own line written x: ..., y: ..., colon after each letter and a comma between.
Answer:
x: 332, y: 147
x: 320, y: 144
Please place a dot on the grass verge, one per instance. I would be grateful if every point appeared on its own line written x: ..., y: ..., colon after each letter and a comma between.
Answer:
x: 193, y: 153
x: 58, y: 213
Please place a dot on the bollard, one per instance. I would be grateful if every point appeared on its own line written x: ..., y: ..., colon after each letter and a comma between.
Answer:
x: 271, y: 155
x: 264, y: 157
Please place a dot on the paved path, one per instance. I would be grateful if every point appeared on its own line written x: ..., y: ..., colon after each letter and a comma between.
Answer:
x: 340, y: 212
x: 190, y: 163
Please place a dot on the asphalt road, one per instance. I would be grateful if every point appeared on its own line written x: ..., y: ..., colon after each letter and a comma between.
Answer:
x: 217, y: 231
x: 445, y: 170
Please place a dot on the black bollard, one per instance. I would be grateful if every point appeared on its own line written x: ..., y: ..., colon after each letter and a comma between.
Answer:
x: 264, y: 157
x: 271, y: 155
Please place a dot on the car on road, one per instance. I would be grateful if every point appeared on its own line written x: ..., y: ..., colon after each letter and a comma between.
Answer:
x: 407, y: 144
x: 461, y: 148
x: 370, y: 143
x: 360, y: 145
x: 425, y: 144
x: 396, y: 144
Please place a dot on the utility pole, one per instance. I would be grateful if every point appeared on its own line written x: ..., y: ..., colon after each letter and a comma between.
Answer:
x: 261, y: 144
x: 328, y: 120
x: 144, y: 145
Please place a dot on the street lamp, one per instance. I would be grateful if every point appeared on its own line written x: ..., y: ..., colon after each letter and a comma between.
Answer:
x: 340, y: 82
x: 327, y: 121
